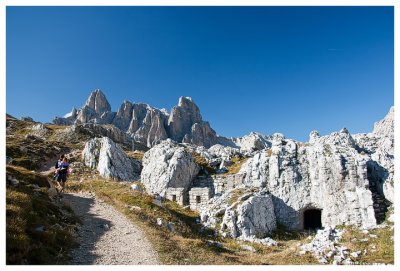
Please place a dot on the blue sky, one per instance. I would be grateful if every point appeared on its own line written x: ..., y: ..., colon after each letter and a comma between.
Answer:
x: 265, y: 69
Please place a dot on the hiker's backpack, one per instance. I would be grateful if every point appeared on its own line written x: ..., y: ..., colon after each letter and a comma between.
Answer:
x: 63, y: 168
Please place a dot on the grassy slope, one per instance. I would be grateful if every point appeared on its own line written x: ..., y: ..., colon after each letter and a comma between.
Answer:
x: 29, y: 209
x: 38, y: 229
x: 379, y: 249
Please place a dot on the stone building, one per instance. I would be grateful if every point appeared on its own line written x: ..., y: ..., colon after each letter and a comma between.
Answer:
x: 199, y: 196
x: 177, y: 195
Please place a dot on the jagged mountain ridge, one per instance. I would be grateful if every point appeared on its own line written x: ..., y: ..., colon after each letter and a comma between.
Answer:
x: 144, y: 123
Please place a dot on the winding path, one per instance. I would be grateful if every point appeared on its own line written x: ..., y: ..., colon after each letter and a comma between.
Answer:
x: 107, y: 237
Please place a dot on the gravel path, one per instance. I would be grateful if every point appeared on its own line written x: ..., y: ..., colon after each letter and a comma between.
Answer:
x: 106, y: 236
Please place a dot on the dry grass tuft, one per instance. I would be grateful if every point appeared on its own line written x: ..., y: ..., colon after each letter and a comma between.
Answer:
x: 202, y: 162
x: 236, y: 166
x: 137, y: 155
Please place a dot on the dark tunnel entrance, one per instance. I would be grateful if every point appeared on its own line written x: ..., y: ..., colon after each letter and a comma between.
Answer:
x: 312, y: 219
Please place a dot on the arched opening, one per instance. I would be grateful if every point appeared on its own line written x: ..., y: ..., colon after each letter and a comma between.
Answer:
x: 312, y: 219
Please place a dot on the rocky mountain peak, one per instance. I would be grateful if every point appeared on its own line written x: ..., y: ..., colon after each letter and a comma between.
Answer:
x: 185, y: 124
x: 184, y: 101
x: 71, y: 114
x: 314, y: 135
x: 186, y: 105
x: 98, y: 102
x: 385, y: 127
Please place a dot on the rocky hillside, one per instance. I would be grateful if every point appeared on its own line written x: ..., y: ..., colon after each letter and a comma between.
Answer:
x: 327, y: 173
x: 244, y: 189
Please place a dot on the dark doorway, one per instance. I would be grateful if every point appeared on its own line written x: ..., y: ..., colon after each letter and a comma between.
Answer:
x: 312, y: 219
x: 198, y: 199
x: 173, y: 197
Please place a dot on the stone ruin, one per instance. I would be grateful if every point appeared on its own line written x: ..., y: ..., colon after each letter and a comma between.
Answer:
x: 176, y: 194
x: 199, y: 196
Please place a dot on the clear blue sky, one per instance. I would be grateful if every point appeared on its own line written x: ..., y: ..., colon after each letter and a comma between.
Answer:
x: 265, y: 69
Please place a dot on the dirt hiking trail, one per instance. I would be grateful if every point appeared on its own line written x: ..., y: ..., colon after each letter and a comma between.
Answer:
x: 107, y: 237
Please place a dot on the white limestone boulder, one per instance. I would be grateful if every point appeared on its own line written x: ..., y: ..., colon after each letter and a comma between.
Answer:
x: 252, y: 218
x: 168, y: 165
x: 252, y: 142
x: 110, y: 160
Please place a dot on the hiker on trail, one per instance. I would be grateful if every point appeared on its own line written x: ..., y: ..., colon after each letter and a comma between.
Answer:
x: 62, y: 172
x: 59, y: 161
x: 57, y: 165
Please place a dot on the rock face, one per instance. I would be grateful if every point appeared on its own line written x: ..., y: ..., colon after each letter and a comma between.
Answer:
x: 110, y: 160
x: 145, y: 124
x: 186, y: 125
x: 167, y: 165
x: 39, y: 130
x: 328, y: 181
x: 385, y: 127
x: 325, y: 245
x: 253, y: 218
x: 379, y: 146
x: 250, y: 217
x: 252, y: 142
x: 328, y: 175
x: 182, y: 118
x: 98, y: 102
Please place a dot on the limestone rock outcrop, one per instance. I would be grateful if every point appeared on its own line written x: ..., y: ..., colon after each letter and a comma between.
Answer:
x: 385, y: 127
x: 168, y: 165
x: 253, y: 218
x: 95, y: 130
x: 250, y: 217
x: 201, y: 135
x: 39, y: 130
x: 252, y: 142
x: 328, y: 175
x: 224, y: 152
x: 110, y: 160
x: 379, y: 146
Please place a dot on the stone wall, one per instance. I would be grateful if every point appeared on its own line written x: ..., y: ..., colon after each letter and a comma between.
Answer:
x: 224, y: 183
x: 198, y: 196
x: 176, y: 194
